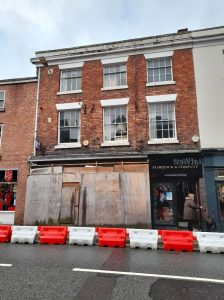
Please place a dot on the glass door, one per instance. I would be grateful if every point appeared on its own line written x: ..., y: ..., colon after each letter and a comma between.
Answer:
x: 220, y: 192
x: 163, y: 199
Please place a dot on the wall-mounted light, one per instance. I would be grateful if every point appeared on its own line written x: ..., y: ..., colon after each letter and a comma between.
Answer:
x: 195, y: 138
x: 44, y: 62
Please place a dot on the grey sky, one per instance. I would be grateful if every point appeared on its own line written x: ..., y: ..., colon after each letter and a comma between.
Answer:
x: 27, y: 26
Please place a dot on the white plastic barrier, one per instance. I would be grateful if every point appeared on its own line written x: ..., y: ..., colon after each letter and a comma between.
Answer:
x: 210, y: 241
x: 81, y: 235
x: 23, y: 234
x: 143, y: 238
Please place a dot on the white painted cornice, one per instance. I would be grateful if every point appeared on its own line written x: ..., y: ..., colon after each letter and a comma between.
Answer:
x: 167, y: 42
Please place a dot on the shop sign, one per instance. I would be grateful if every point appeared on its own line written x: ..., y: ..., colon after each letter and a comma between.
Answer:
x: 176, y: 166
x: 8, y: 175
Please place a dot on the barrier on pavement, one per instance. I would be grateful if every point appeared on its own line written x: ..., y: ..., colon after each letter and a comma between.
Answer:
x: 210, y: 242
x: 112, y: 237
x: 5, y: 233
x: 53, y: 234
x: 143, y: 238
x: 81, y: 235
x: 177, y: 240
x: 23, y: 234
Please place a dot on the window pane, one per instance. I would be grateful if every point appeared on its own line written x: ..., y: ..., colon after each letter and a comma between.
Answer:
x: 71, y: 80
x: 1, y: 95
x: 162, y: 121
x: 1, y: 104
x: 159, y: 70
x: 168, y: 61
x: 114, y: 75
x: 69, y: 126
x: 115, y: 123
x: 150, y: 64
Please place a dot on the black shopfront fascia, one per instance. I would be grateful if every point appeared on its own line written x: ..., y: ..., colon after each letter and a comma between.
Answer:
x: 175, y: 166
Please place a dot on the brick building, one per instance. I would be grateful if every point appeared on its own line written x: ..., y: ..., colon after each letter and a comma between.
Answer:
x: 117, y: 133
x: 17, y: 115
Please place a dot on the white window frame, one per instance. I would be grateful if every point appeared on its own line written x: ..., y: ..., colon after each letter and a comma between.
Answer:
x: 63, y: 107
x: 115, y: 103
x: 1, y: 132
x: 111, y: 62
x: 169, y: 98
x: 153, y: 56
x: 66, y: 68
x: 3, y: 107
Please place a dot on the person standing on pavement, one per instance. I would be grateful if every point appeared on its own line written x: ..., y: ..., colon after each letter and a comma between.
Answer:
x: 190, y: 211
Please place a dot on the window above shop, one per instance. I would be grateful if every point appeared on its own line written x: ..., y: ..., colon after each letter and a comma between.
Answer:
x: 2, y: 100
x: 162, y: 119
x: 115, y: 122
x: 115, y: 73
x: 159, y: 68
x: 71, y: 78
x: 68, y: 125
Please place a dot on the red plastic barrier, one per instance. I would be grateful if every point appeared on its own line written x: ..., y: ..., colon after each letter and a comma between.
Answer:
x: 112, y: 237
x: 177, y: 240
x: 53, y: 235
x: 5, y: 233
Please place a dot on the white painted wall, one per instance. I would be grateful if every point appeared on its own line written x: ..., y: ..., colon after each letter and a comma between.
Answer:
x: 7, y: 217
x: 209, y: 75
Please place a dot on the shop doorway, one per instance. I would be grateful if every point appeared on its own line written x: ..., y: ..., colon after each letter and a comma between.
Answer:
x: 220, y: 194
x: 168, y: 197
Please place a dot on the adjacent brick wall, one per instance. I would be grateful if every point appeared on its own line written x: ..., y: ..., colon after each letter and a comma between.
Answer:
x: 91, y: 116
x: 18, y: 131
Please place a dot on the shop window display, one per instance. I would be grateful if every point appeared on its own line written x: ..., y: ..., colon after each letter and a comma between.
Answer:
x: 8, y: 179
x: 163, y: 196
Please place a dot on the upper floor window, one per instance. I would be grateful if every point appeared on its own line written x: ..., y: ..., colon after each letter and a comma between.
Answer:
x: 115, y: 122
x: 71, y: 80
x: 2, y: 99
x: 162, y: 118
x: 68, y: 125
x: 69, y: 128
x: 159, y: 68
x: 114, y: 75
x: 1, y: 129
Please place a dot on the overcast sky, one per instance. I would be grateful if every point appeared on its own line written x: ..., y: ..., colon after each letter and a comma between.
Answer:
x: 27, y: 26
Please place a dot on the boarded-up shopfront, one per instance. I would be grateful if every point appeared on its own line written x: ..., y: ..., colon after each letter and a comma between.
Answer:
x: 117, y: 195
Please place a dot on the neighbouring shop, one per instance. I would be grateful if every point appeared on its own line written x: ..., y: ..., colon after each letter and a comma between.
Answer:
x: 213, y: 165
x: 8, y: 187
x: 172, y: 178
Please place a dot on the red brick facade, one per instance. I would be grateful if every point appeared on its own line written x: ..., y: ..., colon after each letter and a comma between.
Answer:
x: 17, y: 120
x: 138, y: 128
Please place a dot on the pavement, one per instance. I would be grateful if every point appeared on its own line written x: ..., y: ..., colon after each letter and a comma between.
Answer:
x: 79, y: 272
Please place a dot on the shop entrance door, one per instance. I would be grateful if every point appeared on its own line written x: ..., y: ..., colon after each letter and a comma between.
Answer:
x: 163, y: 199
x: 167, y: 199
x: 220, y: 196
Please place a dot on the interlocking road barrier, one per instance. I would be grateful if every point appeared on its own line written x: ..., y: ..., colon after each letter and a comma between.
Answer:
x: 143, y: 238
x: 112, y: 237
x: 177, y: 240
x: 53, y: 234
x: 5, y: 233
x: 210, y: 242
x: 81, y: 235
x: 23, y: 234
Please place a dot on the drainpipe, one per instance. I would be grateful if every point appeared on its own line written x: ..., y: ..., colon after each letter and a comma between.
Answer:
x: 36, y: 113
